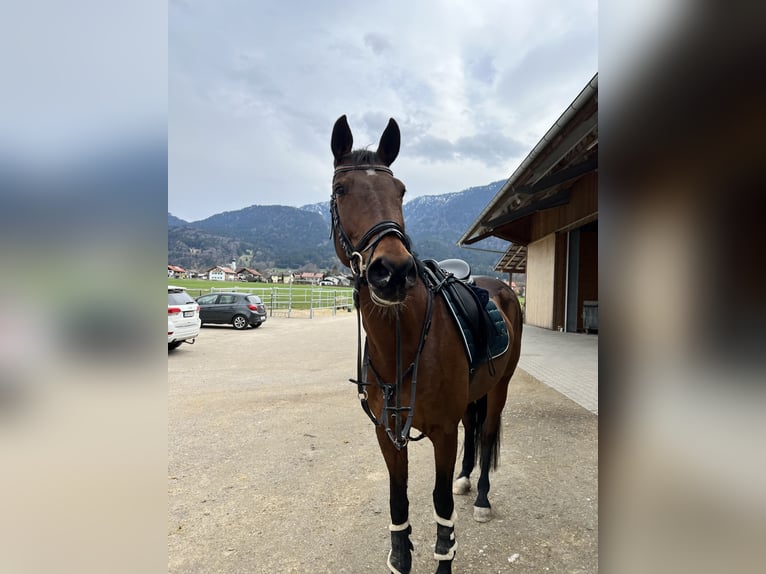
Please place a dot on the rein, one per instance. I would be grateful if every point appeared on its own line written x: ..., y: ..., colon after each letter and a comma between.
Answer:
x: 400, y: 434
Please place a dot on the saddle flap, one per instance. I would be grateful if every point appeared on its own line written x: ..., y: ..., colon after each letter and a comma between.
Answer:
x: 483, y: 331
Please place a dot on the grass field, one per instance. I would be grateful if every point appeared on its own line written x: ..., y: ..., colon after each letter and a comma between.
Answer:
x: 274, y: 295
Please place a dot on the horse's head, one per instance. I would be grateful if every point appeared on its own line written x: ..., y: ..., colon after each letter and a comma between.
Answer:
x: 367, y: 220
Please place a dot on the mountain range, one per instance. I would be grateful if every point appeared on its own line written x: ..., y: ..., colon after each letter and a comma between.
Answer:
x: 282, y: 237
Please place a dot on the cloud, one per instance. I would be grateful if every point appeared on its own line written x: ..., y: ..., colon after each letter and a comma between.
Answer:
x: 377, y: 43
x: 491, y: 149
x: 433, y: 148
x: 482, y: 69
x: 254, y: 89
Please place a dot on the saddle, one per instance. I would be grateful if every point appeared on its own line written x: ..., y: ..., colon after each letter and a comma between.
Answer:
x: 480, y: 323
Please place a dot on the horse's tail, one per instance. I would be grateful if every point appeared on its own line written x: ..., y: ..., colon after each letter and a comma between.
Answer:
x: 478, y: 411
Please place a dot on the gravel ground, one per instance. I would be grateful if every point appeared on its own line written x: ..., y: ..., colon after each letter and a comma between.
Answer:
x: 273, y: 466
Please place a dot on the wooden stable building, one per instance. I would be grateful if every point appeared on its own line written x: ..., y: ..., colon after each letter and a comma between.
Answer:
x: 548, y: 209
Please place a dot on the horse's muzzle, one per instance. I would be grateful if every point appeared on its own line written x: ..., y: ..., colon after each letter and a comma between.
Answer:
x: 390, y: 279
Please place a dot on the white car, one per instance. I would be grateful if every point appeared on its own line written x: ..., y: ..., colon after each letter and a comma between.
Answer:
x: 183, y: 317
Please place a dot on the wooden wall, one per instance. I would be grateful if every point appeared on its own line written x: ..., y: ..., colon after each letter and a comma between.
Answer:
x: 540, y: 282
x: 560, y: 282
x: 583, y: 204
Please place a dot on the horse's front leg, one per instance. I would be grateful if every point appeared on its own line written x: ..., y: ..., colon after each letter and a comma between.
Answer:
x: 400, y: 556
x: 445, y: 454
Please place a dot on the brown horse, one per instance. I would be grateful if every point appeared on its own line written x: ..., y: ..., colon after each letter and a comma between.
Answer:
x: 407, y: 324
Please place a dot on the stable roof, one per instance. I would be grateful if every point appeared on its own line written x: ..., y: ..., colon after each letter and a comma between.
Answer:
x: 567, y: 151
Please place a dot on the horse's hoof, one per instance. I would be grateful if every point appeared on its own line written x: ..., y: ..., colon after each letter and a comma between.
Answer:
x: 462, y: 485
x: 481, y: 514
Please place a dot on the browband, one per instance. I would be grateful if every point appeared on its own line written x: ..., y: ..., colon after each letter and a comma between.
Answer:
x: 363, y: 167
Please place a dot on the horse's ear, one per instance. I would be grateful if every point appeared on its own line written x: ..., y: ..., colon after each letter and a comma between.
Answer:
x: 342, y: 140
x: 388, y: 148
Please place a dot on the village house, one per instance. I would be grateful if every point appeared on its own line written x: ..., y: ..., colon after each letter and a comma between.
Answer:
x: 308, y: 277
x: 248, y: 274
x: 221, y: 273
x: 175, y: 272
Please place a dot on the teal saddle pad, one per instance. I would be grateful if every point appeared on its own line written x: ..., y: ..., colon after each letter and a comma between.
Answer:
x: 497, y: 335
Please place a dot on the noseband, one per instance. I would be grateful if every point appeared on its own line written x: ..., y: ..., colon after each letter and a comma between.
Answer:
x: 370, y: 240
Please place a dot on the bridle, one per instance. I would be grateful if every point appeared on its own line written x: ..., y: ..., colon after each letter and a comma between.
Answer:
x: 392, y: 392
x: 370, y: 240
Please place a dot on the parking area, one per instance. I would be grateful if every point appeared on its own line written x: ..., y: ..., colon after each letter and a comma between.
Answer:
x: 273, y: 466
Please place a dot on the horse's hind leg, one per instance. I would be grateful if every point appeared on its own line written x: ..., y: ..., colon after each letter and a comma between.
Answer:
x: 473, y: 419
x: 445, y: 454
x: 490, y: 450
x: 400, y: 556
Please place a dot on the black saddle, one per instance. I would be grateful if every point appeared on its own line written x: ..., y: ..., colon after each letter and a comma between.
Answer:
x: 483, y: 330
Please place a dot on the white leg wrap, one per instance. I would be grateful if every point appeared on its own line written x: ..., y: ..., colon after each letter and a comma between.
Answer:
x: 444, y: 522
x: 399, y: 527
x: 396, y: 528
x: 450, y: 554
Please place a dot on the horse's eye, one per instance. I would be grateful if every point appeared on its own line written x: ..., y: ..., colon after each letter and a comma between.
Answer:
x: 404, y: 190
x: 338, y: 189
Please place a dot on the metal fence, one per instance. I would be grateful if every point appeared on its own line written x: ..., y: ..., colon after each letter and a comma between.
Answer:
x: 299, y: 301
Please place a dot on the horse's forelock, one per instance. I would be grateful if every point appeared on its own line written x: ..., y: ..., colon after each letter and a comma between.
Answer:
x: 364, y: 156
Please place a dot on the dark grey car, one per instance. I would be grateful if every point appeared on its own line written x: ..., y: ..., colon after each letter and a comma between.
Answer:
x: 238, y: 309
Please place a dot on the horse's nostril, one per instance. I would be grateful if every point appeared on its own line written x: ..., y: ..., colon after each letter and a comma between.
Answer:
x: 384, y: 272
x: 379, y: 273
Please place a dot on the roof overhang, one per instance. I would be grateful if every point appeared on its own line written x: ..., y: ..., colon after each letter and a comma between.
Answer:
x: 514, y: 260
x: 567, y: 152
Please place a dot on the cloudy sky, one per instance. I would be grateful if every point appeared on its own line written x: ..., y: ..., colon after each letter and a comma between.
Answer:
x: 254, y: 88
